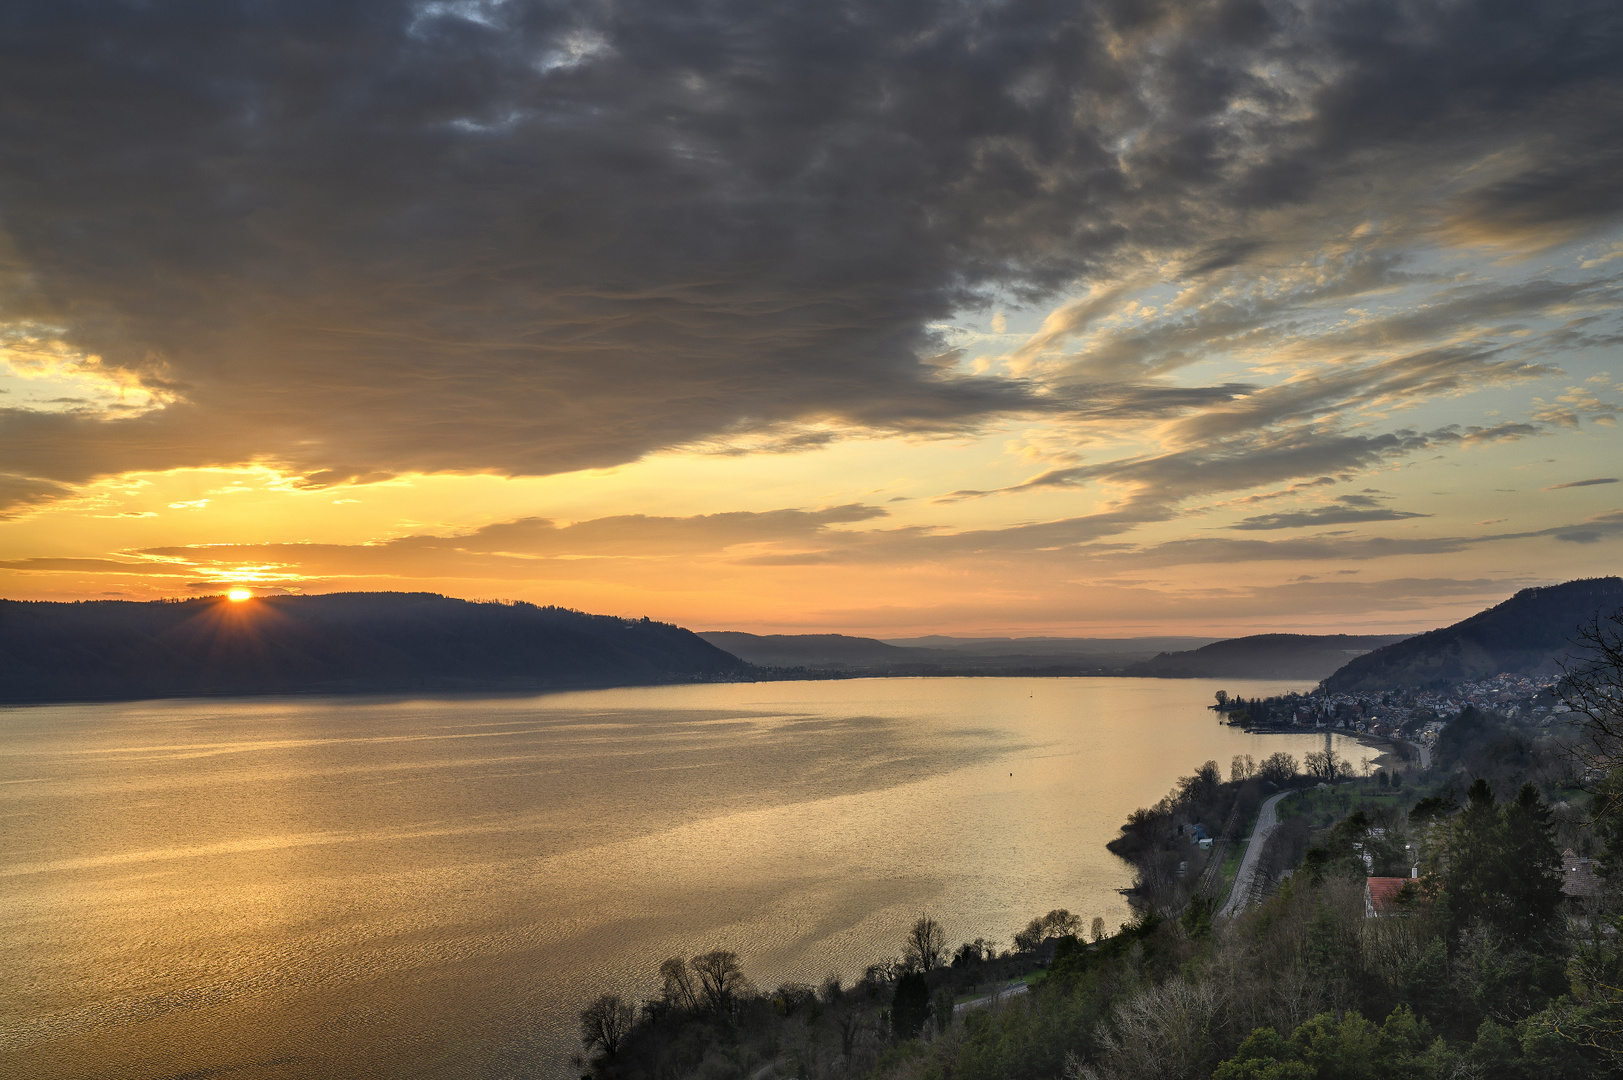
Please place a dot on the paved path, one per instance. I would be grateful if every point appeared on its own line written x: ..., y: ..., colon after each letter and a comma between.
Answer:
x: 1420, y: 748
x: 1000, y: 994
x: 1245, y: 879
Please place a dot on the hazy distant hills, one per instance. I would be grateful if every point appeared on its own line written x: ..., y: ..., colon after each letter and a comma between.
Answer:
x: 808, y: 650
x: 1265, y: 656
x: 1527, y: 634
x: 110, y: 649
x: 1122, y: 650
x: 940, y: 655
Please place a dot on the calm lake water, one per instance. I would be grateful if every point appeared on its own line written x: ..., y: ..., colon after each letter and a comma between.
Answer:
x: 368, y: 887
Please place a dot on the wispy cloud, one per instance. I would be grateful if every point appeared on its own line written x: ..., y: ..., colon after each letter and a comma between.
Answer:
x: 1582, y: 483
x: 1324, y: 515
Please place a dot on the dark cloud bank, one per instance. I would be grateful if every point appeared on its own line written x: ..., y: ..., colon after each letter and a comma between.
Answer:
x: 364, y: 238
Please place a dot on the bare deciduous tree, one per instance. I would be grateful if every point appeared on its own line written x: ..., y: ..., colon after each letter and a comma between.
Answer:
x: 1592, y: 687
x: 1166, y: 1031
x: 721, y: 978
x: 926, y: 944
x: 605, y: 1022
x: 850, y: 1025
x: 1327, y: 765
x: 1278, y: 768
x: 1297, y: 995
x: 1059, y: 923
x: 679, y: 989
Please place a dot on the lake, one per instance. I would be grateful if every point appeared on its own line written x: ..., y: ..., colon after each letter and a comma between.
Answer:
x: 432, y: 887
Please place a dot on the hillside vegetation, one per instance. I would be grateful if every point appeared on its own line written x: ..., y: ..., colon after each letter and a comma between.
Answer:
x: 114, y: 649
x: 1525, y: 635
x: 1264, y: 656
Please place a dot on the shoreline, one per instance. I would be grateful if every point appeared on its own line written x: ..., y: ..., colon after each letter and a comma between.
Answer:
x: 1391, y: 750
x: 510, y: 691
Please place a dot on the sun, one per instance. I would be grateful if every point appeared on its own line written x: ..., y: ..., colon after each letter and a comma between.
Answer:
x: 239, y: 595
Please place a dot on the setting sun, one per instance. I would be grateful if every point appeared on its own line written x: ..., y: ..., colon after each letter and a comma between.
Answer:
x: 239, y: 595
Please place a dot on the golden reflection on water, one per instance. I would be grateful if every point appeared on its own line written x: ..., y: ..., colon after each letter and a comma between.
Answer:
x: 369, y: 887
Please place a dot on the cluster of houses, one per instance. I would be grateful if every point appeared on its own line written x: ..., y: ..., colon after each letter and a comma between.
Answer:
x: 1419, y: 715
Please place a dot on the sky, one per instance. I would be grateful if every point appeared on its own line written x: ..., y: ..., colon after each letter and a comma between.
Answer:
x: 1102, y: 317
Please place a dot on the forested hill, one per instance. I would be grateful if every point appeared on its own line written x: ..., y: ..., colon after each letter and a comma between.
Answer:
x: 1527, y: 634
x: 1264, y: 656
x: 340, y: 642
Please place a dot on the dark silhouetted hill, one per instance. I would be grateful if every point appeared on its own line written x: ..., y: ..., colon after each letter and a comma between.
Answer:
x: 1526, y: 635
x: 340, y: 642
x: 1264, y: 656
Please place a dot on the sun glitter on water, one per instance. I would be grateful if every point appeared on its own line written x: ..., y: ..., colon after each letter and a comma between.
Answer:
x: 239, y: 595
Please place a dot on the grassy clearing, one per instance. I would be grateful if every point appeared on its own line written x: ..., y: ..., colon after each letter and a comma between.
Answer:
x: 1230, y: 868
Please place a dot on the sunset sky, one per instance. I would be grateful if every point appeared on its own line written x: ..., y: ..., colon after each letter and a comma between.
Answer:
x: 1022, y: 317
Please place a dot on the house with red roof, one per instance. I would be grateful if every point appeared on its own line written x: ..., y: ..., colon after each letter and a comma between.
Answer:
x: 1385, y: 896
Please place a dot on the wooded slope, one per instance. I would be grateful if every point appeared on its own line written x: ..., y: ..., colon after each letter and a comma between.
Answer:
x: 1526, y: 635
x: 113, y: 649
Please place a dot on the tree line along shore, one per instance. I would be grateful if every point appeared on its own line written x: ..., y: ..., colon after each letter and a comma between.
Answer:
x: 1464, y: 921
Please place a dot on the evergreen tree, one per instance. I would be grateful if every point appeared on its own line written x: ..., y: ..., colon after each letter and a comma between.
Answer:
x: 1533, y: 871
x: 1503, y: 865
x: 1264, y: 1055
x: 1476, y: 886
x: 910, y: 1007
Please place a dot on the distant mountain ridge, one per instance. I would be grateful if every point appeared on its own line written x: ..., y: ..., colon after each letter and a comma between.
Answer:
x: 1259, y: 656
x: 332, y: 643
x: 807, y: 650
x: 1053, y: 646
x: 1265, y: 656
x: 942, y: 655
x: 1526, y: 635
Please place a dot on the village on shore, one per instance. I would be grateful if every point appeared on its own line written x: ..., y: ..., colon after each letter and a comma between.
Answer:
x: 1415, y: 715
